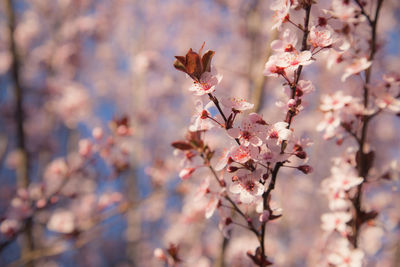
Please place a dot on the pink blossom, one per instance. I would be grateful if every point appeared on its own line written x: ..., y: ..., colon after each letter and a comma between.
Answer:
x: 271, y: 154
x: 279, y: 132
x: 223, y: 159
x: 242, y: 153
x: 337, y: 198
x: 291, y: 60
x: 9, y: 227
x: 343, y: 10
x: 279, y: 63
x: 159, y: 254
x: 201, y: 119
x: 329, y: 124
x: 344, y: 177
x: 247, y: 185
x: 321, y: 36
x: 357, y: 66
x: 388, y: 102
x: 286, y: 43
x: 335, y: 102
x: 271, y: 68
x: 62, y: 221
x: 344, y: 256
x: 250, y: 131
x: 206, y: 85
x: 236, y: 103
x: 335, y: 221
x: 281, y: 12
x: 97, y: 133
x: 186, y: 173
x: 305, y: 87
x: 211, y: 206
x: 85, y: 147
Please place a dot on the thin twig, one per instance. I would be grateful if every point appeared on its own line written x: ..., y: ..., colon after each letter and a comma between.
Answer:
x: 289, y: 117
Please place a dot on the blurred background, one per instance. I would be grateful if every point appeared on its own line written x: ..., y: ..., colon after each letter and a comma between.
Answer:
x: 90, y: 103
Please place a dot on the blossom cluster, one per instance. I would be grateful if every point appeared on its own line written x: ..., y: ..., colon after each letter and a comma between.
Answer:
x: 347, y: 114
x: 73, y: 178
x: 340, y: 190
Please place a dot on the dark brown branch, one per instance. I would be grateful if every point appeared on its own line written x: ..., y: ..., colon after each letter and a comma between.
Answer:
x: 23, y: 167
x: 289, y: 117
x: 362, y: 170
x: 363, y: 11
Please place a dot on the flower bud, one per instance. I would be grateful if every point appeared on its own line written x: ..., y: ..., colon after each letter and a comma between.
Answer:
x: 301, y: 154
x: 291, y: 103
x: 306, y: 169
x: 186, y: 173
x: 232, y: 169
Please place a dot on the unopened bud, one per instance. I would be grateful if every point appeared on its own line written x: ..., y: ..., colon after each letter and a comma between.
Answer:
x: 232, y: 169
x: 291, y: 103
x: 306, y: 169
x: 301, y: 154
x: 264, y: 216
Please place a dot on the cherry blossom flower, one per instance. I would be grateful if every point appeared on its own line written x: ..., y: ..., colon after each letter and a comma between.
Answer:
x: 204, y: 189
x: 247, y: 185
x: 305, y: 86
x: 9, y: 227
x: 286, y: 43
x: 272, y: 68
x: 159, y: 254
x: 392, y: 78
x: 281, y: 12
x: 344, y: 177
x: 337, y: 198
x: 201, y: 119
x: 329, y: 124
x: 211, y: 206
x: 388, y: 102
x: 291, y: 60
x: 62, y: 221
x: 250, y: 132
x: 335, y: 102
x: 236, y: 104
x: 223, y: 160
x: 271, y: 154
x: 242, y: 154
x: 357, y: 66
x: 97, y: 133
x: 73, y: 103
x: 346, y: 257
x: 343, y: 10
x: 279, y: 132
x: 321, y: 36
x: 85, y: 148
x: 186, y: 173
x: 335, y: 221
x: 206, y: 85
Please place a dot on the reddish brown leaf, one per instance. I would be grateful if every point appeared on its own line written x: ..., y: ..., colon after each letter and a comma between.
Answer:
x: 182, y: 145
x: 179, y: 66
x: 193, y: 65
x: 206, y: 60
